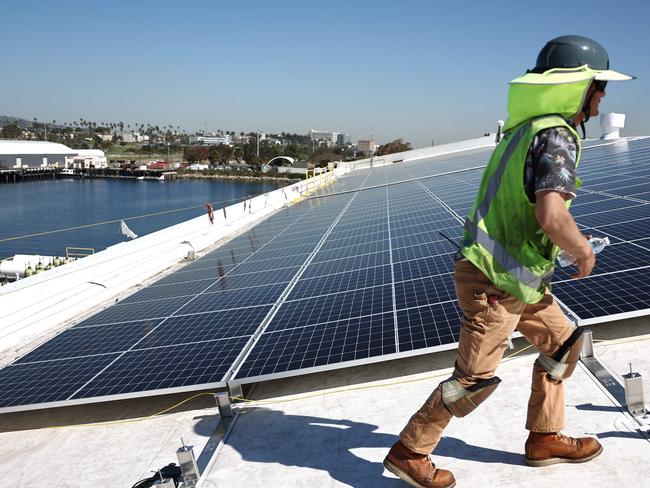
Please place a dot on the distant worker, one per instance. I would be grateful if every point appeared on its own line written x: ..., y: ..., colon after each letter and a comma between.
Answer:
x: 515, y: 230
x: 210, y: 210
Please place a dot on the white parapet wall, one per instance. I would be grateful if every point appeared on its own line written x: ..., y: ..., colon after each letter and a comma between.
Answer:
x: 421, y: 153
x: 34, y: 308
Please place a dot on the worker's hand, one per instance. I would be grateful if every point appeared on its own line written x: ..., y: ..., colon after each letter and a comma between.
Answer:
x: 585, y: 260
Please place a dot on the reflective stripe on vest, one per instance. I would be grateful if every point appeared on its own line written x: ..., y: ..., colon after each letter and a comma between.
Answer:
x: 498, y: 252
x: 495, y: 180
x: 500, y: 255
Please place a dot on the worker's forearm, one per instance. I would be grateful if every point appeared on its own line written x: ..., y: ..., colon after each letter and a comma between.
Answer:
x: 564, y: 232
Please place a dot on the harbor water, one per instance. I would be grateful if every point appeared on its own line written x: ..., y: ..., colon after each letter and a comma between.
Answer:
x: 44, y: 206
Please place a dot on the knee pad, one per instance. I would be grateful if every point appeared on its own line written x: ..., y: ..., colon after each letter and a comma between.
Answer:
x: 460, y: 400
x: 564, y: 361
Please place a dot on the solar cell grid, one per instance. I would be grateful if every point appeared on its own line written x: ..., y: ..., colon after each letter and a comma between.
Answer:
x: 642, y: 172
x: 52, y: 381
x: 323, y: 344
x: 339, y: 282
x: 346, y: 264
x: 607, y: 217
x: 231, y: 257
x: 179, y: 366
x: 210, y: 273
x: 453, y: 233
x: 428, y: 326
x: 628, y: 231
x: 170, y: 290
x: 240, y: 297
x: 584, y: 197
x: 607, y: 183
x: 424, y: 208
x: 279, y: 248
x: 425, y: 250
x: 289, y: 261
x: 603, y: 295
x: 271, y: 277
x: 348, y: 251
x: 129, y: 312
x: 423, y: 291
x: 645, y: 243
x: 632, y: 190
x: 578, y: 210
x: 87, y: 341
x: 352, y: 239
x: 199, y: 327
x: 428, y: 266
x: 349, y: 226
x: 265, y: 259
x: 268, y: 254
x: 420, y: 226
x: 616, y: 257
x: 334, y: 307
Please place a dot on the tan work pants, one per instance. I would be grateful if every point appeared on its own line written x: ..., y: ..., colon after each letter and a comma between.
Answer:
x: 489, y: 317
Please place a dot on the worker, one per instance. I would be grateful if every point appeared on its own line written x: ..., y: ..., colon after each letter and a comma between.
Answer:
x: 516, y: 228
x: 210, y: 210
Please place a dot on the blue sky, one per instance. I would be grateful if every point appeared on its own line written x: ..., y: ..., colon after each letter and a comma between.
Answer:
x: 419, y: 70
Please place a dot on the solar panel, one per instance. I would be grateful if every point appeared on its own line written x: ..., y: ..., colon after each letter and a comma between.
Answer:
x: 422, y: 217
x: 612, y: 174
x: 346, y: 279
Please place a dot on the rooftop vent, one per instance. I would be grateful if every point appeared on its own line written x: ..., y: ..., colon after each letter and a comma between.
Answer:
x: 611, y: 123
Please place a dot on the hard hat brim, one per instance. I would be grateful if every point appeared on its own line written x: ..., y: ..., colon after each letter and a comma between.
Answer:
x: 611, y: 75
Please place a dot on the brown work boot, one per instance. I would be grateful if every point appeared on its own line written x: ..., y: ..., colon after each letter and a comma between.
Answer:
x: 544, y: 449
x: 417, y: 469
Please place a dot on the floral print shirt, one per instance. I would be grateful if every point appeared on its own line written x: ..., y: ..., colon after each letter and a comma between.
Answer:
x: 551, y: 163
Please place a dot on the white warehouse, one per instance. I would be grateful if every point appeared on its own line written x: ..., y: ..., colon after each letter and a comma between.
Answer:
x: 33, y: 154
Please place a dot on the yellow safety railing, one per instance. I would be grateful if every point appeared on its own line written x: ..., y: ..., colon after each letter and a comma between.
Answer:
x: 78, y: 252
x: 319, y: 177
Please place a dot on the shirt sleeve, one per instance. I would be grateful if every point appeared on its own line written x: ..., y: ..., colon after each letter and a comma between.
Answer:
x: 552, y: 162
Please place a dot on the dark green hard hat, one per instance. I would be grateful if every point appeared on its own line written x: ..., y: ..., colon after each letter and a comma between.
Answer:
x: 571, y: 52
x: 574, y: 52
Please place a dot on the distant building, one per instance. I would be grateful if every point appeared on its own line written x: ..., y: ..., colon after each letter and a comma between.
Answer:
x: 158, y: 165
x: 128, y: 137
x: 211, y: 140
x: 198, y: 167
x: 366, y: 147
x: 342, y: 139
x: 323, y: 137
x: 329, y: 138
x: 272, y: 141
x: 87, y: 158
x: 125, y: 136
x: 33, y: 154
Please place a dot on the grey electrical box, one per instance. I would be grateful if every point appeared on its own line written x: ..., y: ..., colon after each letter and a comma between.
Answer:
x: 187, y: 462
x: 634, y: 393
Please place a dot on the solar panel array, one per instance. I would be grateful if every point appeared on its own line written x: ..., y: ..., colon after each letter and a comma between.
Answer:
x: 353, y: 277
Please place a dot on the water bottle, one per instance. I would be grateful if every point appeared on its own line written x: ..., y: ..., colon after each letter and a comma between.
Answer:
x: 597, y: 244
